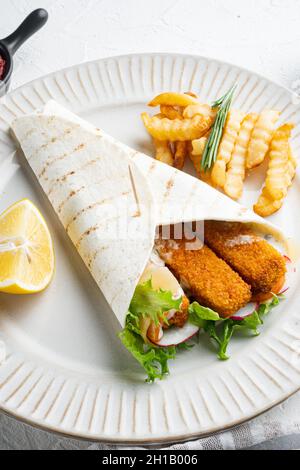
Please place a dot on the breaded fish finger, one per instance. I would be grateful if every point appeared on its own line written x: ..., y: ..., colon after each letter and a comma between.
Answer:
x: 257, y: 262
x: 208, y: 278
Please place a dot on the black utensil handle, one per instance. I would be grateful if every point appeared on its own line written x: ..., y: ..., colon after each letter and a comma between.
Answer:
x: 30, y: 25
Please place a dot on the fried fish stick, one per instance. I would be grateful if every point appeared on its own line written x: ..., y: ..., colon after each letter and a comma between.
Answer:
x: 208, y: 278
x: 257, y: 262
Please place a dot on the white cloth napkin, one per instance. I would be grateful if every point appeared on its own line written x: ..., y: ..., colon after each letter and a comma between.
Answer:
x: 282, y: 420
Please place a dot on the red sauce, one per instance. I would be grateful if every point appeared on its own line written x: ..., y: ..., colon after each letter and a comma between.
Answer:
x: 2, y: 67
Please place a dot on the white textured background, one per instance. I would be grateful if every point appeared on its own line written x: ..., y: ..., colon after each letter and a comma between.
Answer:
x: 263, y: 35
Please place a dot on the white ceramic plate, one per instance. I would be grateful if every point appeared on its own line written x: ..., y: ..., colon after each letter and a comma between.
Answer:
x: 65, y: 369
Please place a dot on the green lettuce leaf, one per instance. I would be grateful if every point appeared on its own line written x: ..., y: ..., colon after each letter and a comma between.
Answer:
x: 221, y: 331
x: 152, y: 303
x: 148, y: 302
x: 153, y: 360
x: 198, y: 315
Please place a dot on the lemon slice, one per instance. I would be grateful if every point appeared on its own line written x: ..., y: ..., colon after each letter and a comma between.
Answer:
x: 26, y: 250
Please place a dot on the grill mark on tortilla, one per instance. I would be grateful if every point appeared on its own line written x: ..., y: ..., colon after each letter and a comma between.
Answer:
x: 152, y: 167
x: 193, y: 189
x: 60, y: 157
x: 169, y: 186
x: 53, y: 140
x: 96, y: 183
x: 92, y: 230
x: 138, y: 211
x: 70, y: 195
x: 134, y: 154
x: 29, y: 133
x: 92, y: 206
x: 94, y: 255
x: 87, y: 233
x: 63, y: 178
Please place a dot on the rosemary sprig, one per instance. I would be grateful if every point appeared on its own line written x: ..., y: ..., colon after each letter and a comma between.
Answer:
x: 213, y: 142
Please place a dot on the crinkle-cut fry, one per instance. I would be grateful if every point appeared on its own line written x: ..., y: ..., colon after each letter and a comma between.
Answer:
x: 180, y: 154
x: 276, y: 180
x: 163, y: 152
x: 196, y: 150
x: 266, y: 206
x: 261, y: 137
x: 198, y: 145
x: 196, y: 160
x: 230, y: 133
x: 202, y: 109
x: 292, y: 166
x: 205, y: 176
x: 235, y: 174
x: 170, y: 112
x: 191, y: 93
x: 173, y: 99
x: 176, y: 129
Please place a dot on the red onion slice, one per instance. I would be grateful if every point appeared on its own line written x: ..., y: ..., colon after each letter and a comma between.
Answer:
x: 245, y: 311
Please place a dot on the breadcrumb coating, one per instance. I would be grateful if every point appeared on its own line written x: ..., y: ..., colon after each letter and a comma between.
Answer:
x: 209, y: 279
x: 257, y: 262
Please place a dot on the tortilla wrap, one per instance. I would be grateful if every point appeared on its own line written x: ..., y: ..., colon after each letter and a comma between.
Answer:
x: 100, y: 188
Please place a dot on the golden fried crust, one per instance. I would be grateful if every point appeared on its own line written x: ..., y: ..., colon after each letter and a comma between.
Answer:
x: 257, y: 262
x: 180, y: 317
x: 208, y: 278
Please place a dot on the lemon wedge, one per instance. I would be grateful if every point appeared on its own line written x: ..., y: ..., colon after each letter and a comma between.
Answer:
x: 26, y: 250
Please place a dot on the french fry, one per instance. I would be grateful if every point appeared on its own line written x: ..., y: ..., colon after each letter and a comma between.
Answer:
x: 170, y: 112
x: 198, y: 146
x: 177, y: 129
x: 196, y: 149
x: 292, y: 166
x: 235, y: 174
x: 202, y: 109
x: 173, y: 99
x: 277, y: 181
x: 205, y: 176
x: 196, y: 152
x: 163, y: 152
x: 230, y: 133
x: 180, y: 154
x: 191, y: 93
x: 266, y: 206
x: 196, y: 160
x: 261, y: 138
